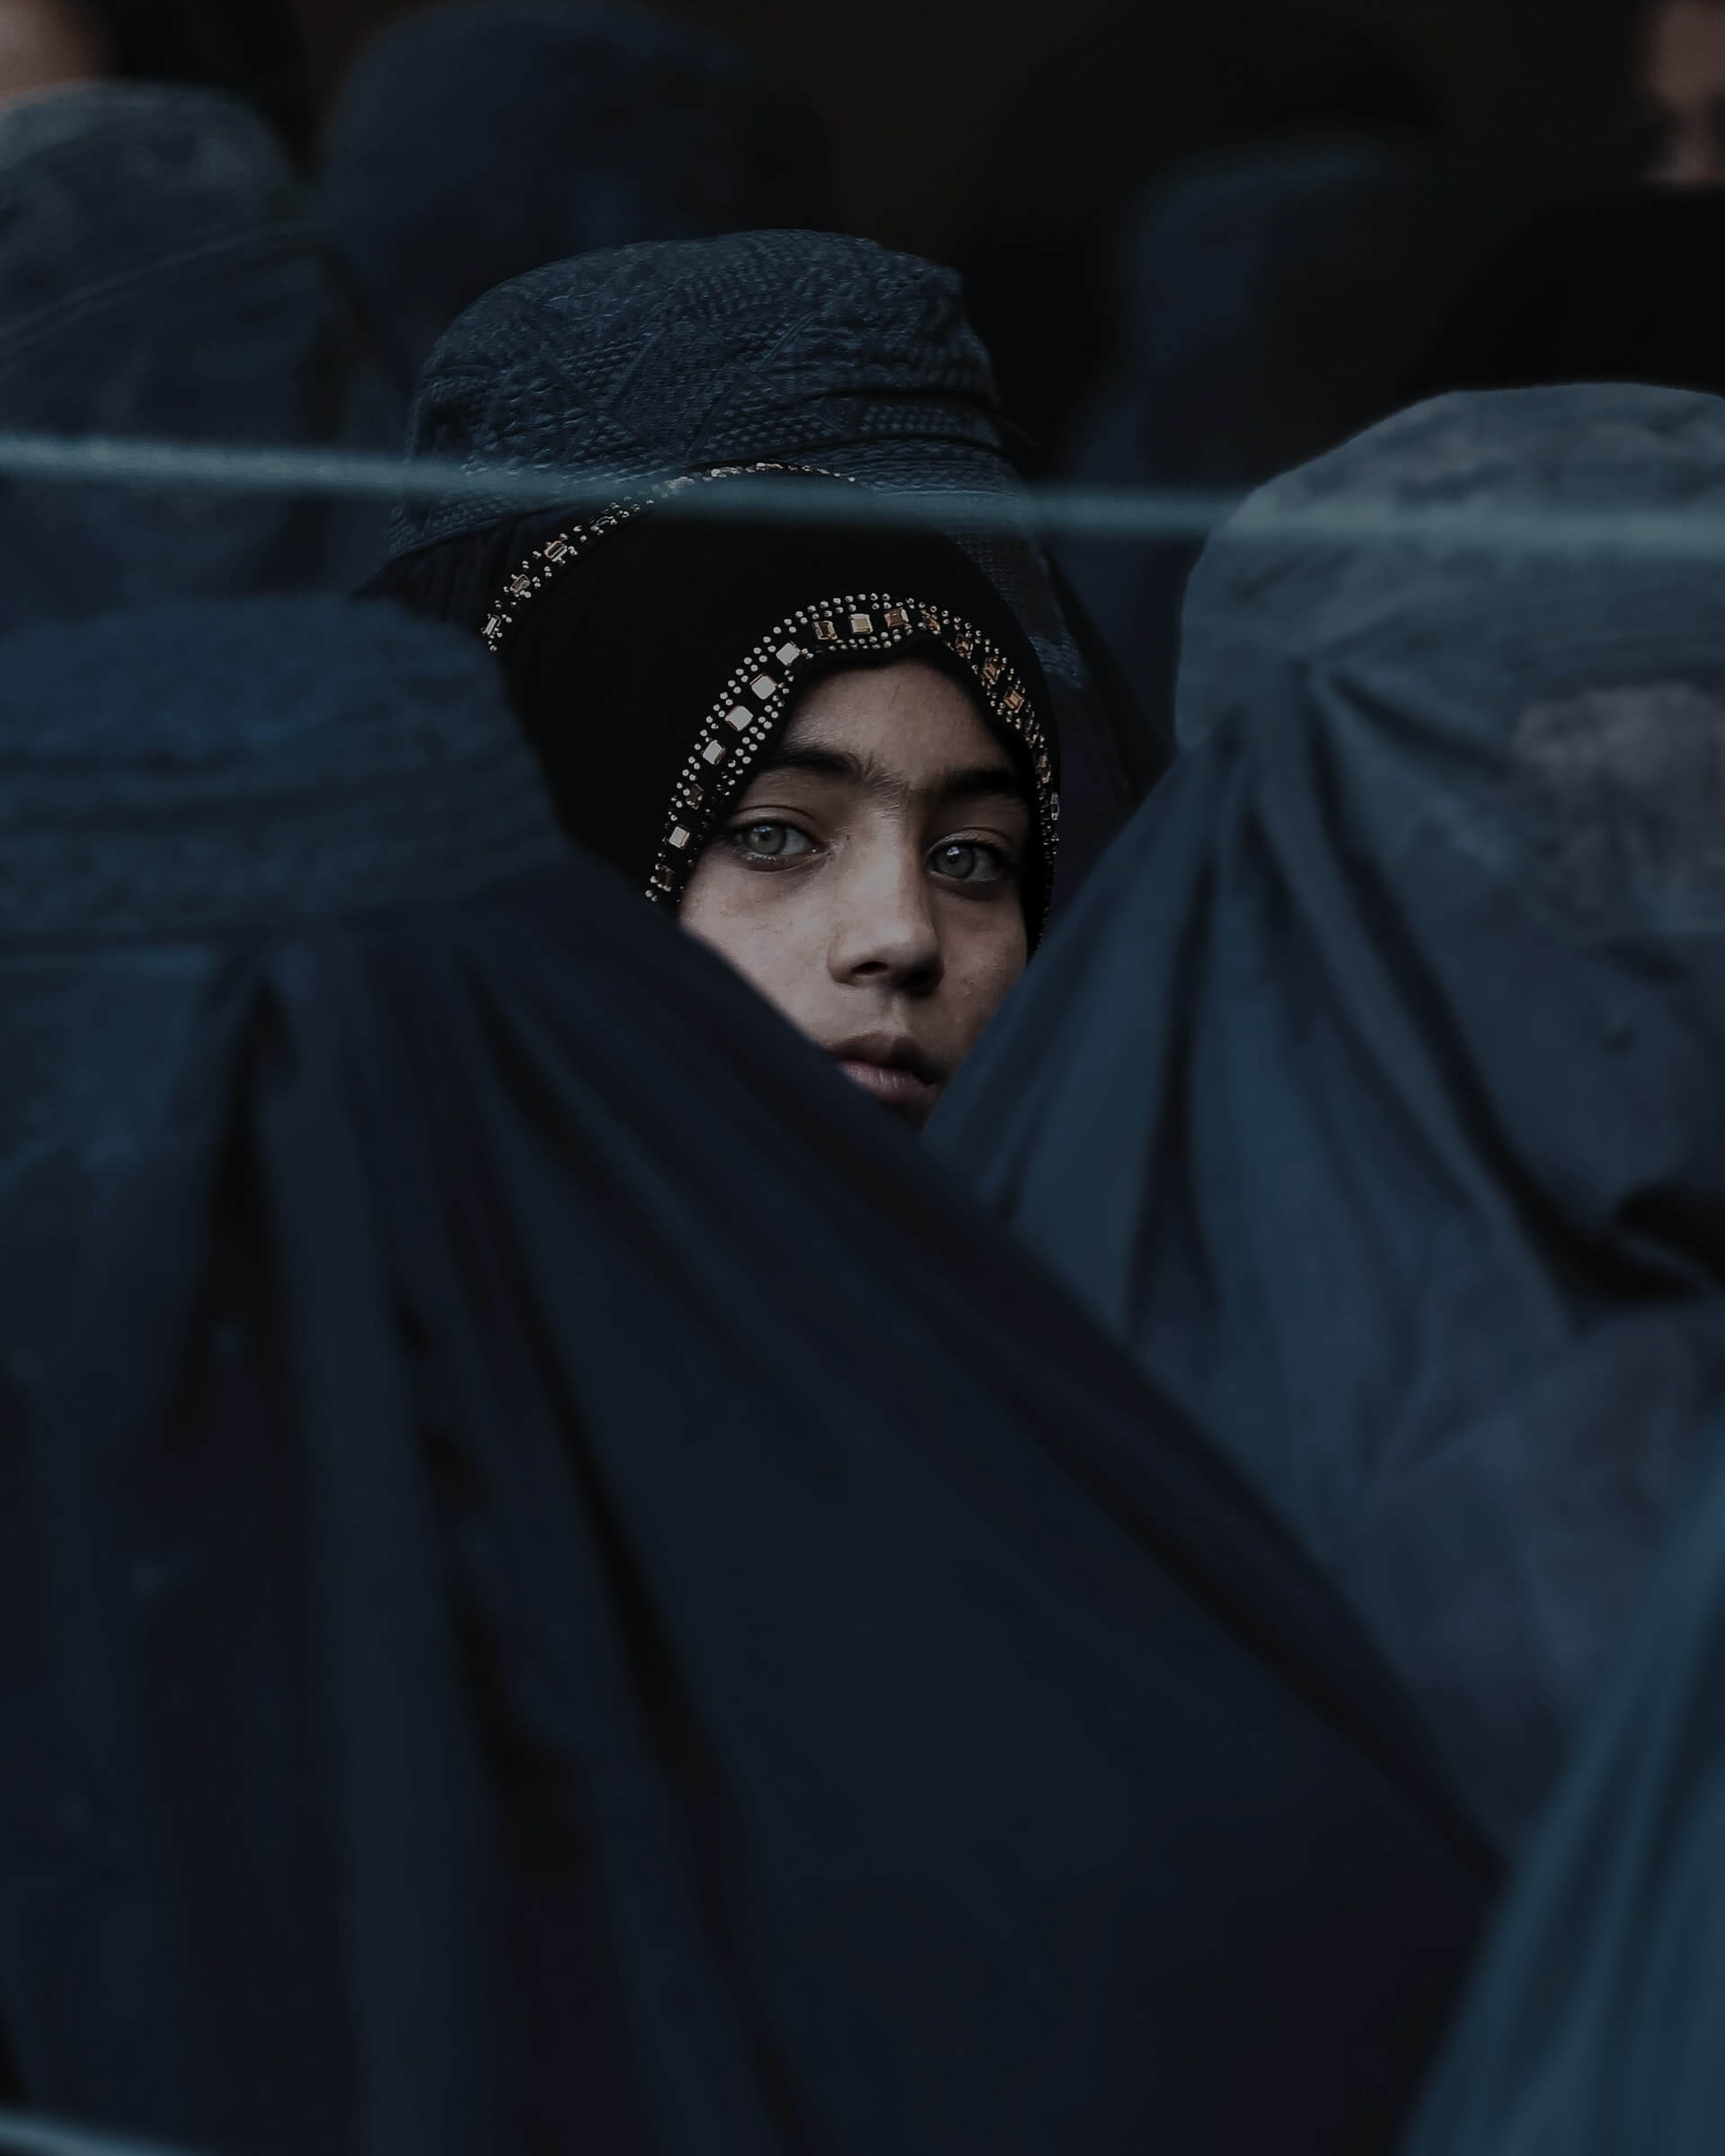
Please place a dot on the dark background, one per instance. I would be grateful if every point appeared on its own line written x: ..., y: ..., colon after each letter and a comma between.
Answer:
x: 918, y: 92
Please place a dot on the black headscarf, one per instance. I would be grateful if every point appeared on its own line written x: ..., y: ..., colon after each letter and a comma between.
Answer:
x: 557, y: 1580
x: 159, y: 277
x: 473, y: 143
x: 1592, y: 2024
x: 656, y: 665
x: 1121, y: 113
x: 802, y: 348
x: 1372, y: 1094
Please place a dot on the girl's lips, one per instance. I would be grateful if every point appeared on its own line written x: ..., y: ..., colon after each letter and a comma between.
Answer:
x: 897, y: 1087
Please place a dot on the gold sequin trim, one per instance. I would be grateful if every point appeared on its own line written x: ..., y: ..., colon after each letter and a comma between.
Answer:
x: 564, y: 549
x: 735, y: 732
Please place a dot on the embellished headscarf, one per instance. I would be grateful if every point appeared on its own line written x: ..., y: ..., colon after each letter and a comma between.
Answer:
x: 473, y: 143
x: 656, y: 665
x: 799, y: 348
x: 1373, y: 1090
x: 159, y: 277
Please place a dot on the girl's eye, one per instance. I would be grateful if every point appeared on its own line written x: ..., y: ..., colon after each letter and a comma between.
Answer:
x: 771, y: 841
x: 968, y: 860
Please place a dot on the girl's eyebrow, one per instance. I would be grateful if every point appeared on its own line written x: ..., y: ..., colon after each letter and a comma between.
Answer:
x: 966, y: 782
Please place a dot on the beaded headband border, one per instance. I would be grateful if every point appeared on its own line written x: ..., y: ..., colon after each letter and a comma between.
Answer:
x: 748, y: 714
x: 564, y: 549
x: 751, y: 710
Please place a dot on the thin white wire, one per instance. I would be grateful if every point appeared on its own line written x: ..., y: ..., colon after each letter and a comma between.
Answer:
x: 22, y: 2133
x: 1122, y: 516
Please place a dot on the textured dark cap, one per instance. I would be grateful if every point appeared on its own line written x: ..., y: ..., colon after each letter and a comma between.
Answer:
x: 197, y: 770
x: 672, y: 357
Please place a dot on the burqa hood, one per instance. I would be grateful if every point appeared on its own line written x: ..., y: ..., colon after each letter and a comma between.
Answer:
x: 474, y: 143
x: 554, y: 1570
x: 172, y: 780
x: 1591, y: 2025
x: 800, y: 347
x: 1372, y: 1093
x: 159, y: 277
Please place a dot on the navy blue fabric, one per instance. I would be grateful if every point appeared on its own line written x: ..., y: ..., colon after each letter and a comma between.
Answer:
x: 1371, y: 1092
x: 473, y: 143
x: 1123, y: 112
x: 159, y: 275
x: 1592, y: 2026
x: 559, y: 1583
x: 1266, y: 303
x: 171, y: 780
x: 802, y: 348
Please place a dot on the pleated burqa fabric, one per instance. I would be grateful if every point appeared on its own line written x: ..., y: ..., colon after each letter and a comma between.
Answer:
x: 473, y: 143
x: 562, y: 1587
x: 1371, y: 1094
x: 800, y: 347
x: 1592, y: 2025
x: 159, y: 277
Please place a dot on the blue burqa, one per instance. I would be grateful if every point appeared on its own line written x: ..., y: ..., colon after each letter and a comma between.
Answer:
x: 1371, y: 1094
x: 159, y: 277
x: 1592, y: 2025
x: 560, y: 1585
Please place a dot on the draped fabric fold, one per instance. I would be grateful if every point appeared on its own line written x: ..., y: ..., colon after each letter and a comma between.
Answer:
x: 561, y: 1583
x: 1370, y: 1095
x: 1590, y: 2024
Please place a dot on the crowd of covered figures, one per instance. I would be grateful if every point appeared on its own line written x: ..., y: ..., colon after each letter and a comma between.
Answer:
x: 831, y: 1340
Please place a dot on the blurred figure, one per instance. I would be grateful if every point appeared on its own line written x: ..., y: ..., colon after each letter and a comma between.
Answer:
x: 1683, y: 89
x: 474, y: 143
x: 1370, y: 1092
x: 1120, y: 114
x: 1269, y: 303
x: 46, y: 44
x: 1617, y: 289
x: 159, y: 277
